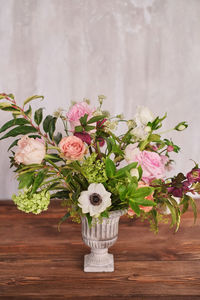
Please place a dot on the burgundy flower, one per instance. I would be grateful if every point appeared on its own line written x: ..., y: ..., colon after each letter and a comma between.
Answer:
x: 179, y: 191
x: 194, y: 176
x: 176, y: 192
x: 84, y: 136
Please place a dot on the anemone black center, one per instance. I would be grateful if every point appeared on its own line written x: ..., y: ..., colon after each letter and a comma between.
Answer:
x: 95, y: 199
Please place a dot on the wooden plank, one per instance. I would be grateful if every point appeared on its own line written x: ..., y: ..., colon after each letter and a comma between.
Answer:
x: 38, y: 262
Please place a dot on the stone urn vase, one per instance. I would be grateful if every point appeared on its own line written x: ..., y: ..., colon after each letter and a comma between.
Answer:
x: 99, y: 236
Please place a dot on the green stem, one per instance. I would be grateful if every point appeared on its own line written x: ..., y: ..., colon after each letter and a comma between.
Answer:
x: 54, y: 147
x: 163, y: 132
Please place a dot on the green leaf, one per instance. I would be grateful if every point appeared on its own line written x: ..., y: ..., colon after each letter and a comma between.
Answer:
x: 25, y: 180
x: 19, y: 130
x: 33, y: 98
x: 57, y: 138
x: 122, y: 172
x: 122, y: 192
x: 38, y: 181
x: 52, y: 186
x: 194, y: 208
x: 13, y: 144
x: 11, y: 96
x: 173, y: 212
x: 132, y: 186
x: 83, y: 120
x: 64, y: 218
x: 142, y: 192
x: 89, y: 218
x: 105, y: 214
x: 110, y: 168
x: 13, y: 122
x: 135, y: 207
x: 143, y: 144
x: 5, y: 105
x: 46, y: 123
x: 154, y: 214
x: 28, y: 112
x: 109, y: 145
x: 96, y: 119
x: 140, y: 171
x: 78, y: 129
x: 10, y: 108
x: 154, y: 138
x: 38, y: 116
x: 185, y: 203
x: 144, y: 202
x: 52, y: 127
x: 53, y: 157
x: 60, y: 195
x: 88, y: 127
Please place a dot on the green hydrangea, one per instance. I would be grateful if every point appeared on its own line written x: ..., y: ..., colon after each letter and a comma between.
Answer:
x: 94, y: 169
x: 35, y: 204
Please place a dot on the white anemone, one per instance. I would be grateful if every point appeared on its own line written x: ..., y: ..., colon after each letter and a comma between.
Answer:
x: 95, y: 200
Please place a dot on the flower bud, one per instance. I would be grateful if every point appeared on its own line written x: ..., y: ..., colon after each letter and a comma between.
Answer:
x: 181, y: 126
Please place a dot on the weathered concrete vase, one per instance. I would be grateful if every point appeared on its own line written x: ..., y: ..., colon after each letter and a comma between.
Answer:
x: 99, y: 237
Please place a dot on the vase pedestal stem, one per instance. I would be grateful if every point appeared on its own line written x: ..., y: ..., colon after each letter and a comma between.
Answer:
x: 99, y: 260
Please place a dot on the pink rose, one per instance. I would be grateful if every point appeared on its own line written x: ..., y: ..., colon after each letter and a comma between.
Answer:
x: 72, y: 148
x: 30, y: 151
x: 152, y: 163
x: 77, y: 111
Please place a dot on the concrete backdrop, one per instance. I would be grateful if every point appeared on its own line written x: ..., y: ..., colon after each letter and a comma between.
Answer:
x: 134, y: 51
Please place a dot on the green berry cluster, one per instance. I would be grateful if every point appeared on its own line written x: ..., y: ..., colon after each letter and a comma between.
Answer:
x: 94, y: 169
x: 35, y: 203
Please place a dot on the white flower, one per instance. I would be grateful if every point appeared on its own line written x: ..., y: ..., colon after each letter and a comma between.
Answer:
x: 131, y: 151
x: 140, y: 132
x: 95, y: 200
x: 144, y: 115
x: 134, y: 172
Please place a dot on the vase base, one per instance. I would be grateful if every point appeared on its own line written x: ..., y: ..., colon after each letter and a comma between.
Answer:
x: 90, y: 266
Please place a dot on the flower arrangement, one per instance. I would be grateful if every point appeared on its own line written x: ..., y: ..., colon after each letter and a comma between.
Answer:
x: 91, y: 168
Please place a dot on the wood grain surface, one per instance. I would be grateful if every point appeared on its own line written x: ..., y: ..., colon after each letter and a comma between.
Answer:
x: 38, y: 262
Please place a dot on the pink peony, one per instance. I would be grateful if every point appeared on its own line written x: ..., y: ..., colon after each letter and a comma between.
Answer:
x: 153, y: 165
x: 77, y: 111
x: 30, y: 151
x: 72, y: 148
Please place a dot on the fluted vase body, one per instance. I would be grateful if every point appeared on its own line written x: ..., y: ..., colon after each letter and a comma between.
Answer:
x: 99, y: 237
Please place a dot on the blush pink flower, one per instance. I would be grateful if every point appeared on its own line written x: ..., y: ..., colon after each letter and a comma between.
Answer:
x: 152, y: 163
x: 30, y: 151
x: 72, y: 148
x: 77, y: 111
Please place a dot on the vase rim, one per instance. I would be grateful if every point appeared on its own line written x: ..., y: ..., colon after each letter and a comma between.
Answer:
x: 119, y: 212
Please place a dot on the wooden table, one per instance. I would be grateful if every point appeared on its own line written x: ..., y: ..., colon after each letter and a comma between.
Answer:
x: 38, y: 262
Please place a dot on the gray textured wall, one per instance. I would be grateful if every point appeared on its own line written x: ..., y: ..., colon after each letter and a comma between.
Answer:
x: 134, y: 51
